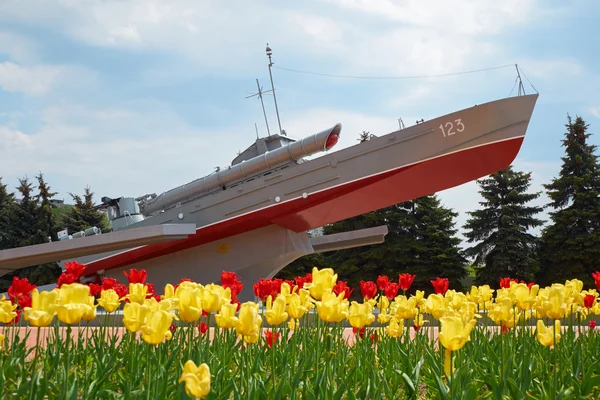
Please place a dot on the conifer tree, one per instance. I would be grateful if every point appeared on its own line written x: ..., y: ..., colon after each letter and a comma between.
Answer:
x: 504, y: 246
x: 83, y: 215
x: 46, y: 228
x: 571, y: 243
x: 7, y: 209
x: 437, y: 248
x: 25, y: 217
x: 46, y: 223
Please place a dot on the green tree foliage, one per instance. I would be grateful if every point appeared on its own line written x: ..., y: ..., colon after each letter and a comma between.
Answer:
x: 83, y: 215
x: 436, y: 246
x: 32, y: 222
x: 571, y: 243
x: 8, y: 239
x: 25, y: 222
x: 504, y: 246
x: 46, y: 221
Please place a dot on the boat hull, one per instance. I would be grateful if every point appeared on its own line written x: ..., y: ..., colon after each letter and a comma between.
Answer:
x: 422, y: 159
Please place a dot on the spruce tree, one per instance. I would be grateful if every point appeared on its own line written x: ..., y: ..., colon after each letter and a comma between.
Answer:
x: 437, y: 250
x: 46, y: 223
x: 25, y: 217
x: 504, y: 246
x: 368, y: 262
x: 83, y: 215
x: 7, y: 210
x: 571, y: 243
x: 46, y: 228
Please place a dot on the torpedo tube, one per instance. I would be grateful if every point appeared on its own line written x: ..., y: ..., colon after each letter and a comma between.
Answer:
x: 293, y: 151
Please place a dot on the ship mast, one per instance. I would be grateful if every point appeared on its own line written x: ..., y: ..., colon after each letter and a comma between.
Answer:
x: 269, y: 52
x: 260, y: 96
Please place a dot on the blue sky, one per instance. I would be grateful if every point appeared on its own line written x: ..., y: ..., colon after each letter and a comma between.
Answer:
x: 139, y: 96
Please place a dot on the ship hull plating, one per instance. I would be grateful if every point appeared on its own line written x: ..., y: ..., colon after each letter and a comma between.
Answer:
x: 422, y: 159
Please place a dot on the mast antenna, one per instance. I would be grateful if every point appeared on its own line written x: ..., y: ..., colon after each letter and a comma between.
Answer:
x: 269, y: 53
x: 260, y: 96
x: 521, y: 88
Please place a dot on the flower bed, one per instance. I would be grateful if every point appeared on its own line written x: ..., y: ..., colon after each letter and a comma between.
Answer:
x: 197, y: 340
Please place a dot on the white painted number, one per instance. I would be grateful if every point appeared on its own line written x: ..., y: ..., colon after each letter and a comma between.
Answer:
x: 447, y: 128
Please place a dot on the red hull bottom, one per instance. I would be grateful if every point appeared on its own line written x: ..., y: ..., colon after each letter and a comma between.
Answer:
x: 345, y: 201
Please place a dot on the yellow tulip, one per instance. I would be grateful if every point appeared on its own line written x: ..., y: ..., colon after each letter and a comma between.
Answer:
x: 157, y: 327
x: 137, y: 293
x: 383, y: 304
x: 214, y: 296
x: 522, y: 296
x: 332, y: 308
x: 455, y: 299
x: 197, y: 379
x: 305, y: 299
x: 503, y: 313
x: 360, y: 315
x: 395, y: 328
x: 555, y: 307
x: 109, y: 300
x: 546, y: 335
x: 322, y: 280
x: 134, y: 316
x: 455, y: 333
x: 190, y: 304
x: 295, y: 308
x: 7, y: 310
x: 169, y: 292
x: 293, y: 324
x: 249, y: 321
x: 43, y: 308
x: 90, y: 313
x: 226, y: 318
x: 404, y: 308
x: 275, y: 313
x: 453, y: 336
x: 73, y: 303
x: 436, y: 305
x: 480, y: 294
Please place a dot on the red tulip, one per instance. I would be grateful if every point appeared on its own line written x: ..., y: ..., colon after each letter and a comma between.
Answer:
x: 75, y: 268
x: 405, y: 281
x: 440, y: 285
x: 391, y: 290
x: 135, y: 276
x: 340, y: 287
x: 589, y: 300
x: 505, y: 282
x: 271, y: 337
x: 596, y: 276
x: 368, y: 289
x: 592, y: 324
x: 382, y: 282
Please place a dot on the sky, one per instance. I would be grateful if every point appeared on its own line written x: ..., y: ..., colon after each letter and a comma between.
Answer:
x: 139, y: 96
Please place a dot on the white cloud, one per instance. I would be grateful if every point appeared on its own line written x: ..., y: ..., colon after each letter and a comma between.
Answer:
x: 595, y: 111
x: 400, y: 38
x: 480, y: 17
x: 17, y: 47
x: 33, y: 81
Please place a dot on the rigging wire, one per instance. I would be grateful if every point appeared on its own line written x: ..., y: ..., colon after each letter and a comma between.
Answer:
x: 395, y: 77
x: 523, y: 72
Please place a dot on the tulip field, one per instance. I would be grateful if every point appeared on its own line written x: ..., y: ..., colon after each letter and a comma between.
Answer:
x: 300, y: 339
